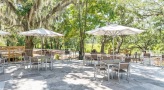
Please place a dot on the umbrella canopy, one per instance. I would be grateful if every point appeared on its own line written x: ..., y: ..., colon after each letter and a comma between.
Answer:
x: 2, y: 33
x: 114, y: 30
x: 40, y: 32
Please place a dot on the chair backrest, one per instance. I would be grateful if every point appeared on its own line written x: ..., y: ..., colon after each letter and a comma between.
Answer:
x: 94, y: 56
x: 127, y: 59
x: 123, y: 65
x: 147, y: 55
x: 135, y: 55
x: 0, y: 55
x: 43, y: 58
x: 47, y: 54
x: 87, y: 57
x: 104, y: 57
x: 163, y: 56
x: 34, y: 59
x: 2, y: 60
x: 116, y: 57
x: 48, y: 58
x: 26, y: 58
x: 112, y: 57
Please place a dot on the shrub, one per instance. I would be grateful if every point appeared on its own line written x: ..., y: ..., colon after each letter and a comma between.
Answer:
x: 57, y: 56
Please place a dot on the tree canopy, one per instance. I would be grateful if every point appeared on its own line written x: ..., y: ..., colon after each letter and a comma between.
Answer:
x: 74, y: 17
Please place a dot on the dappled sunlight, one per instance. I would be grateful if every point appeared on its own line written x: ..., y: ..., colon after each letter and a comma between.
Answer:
x: 11, y: 69
x: 28, y: 84
x: 59, y: 44
x: 73, y: 75
x: 148, y: 72
x: 81, y: 80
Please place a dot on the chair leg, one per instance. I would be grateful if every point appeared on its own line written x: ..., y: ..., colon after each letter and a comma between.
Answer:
x: 30, y: 66
x: 108, y: 74
x: 118, y: 77
x: 51, y: 65
x: 104, y: 73
x: 121, y: 76
x: 46, y: 65
x: 24, y: 66
x: 3, y: 70
x: 38, y: 67
x: 127, y: 77
x: 95, y: 73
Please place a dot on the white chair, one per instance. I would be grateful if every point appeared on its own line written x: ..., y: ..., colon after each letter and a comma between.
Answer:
x: 26, y: 61
x: 48, y: 60
x: 86, y: 59
x: 2, y: 63
x: 35, y: 61
x: 147, y: 60
x: 123, y: 67
x: 98, y: 68
x: 94, y: 57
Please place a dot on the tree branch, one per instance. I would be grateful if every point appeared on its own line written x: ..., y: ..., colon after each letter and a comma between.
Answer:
x: 58, y: 7
x: 12, y: 7
x: 12, y: 26
x: 139, y: 47
x: 33, y: 9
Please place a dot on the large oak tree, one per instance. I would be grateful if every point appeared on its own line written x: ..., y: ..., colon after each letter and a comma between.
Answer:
x: 31, y: 14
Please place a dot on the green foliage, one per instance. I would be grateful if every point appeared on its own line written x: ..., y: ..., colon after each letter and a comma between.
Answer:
x: 57, y: 56
x: 142, y: 14
x: 89, y: 47
x: 24, y: 9
x: 2, y: 42
x: 20, y: 41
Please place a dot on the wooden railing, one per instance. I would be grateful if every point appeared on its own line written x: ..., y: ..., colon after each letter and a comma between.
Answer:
x: 11, y: 51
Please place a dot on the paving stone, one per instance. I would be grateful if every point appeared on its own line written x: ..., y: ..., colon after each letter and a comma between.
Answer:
x: 73, y: 76
x: 2, y: 84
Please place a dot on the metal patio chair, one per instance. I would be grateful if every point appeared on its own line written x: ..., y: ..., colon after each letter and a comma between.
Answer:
x: 123, y: 68
x: 2, y: 63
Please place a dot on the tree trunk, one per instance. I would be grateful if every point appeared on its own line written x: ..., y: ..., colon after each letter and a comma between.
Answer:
x: 82, y: 30
x: 81, y: 35
x: 92, y: 43
x: 7, y: 42
x: 57, y: 43
x: 29, y: 45
x: 103, y: 44
x: 46, y: 43
x: 54, y: 46
x: 51, y: 44
x: 120, y: 44
x: 28, y: 40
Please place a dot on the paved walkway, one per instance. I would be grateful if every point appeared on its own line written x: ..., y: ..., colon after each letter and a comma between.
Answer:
x: 74, y: 76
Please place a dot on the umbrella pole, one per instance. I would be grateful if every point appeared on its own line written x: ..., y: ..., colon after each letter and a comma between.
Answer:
x: 42, y: 46
x: 113, y: 47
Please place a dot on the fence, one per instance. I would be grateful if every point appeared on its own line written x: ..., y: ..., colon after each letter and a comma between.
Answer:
x: 11, y: 51
x: 14, y: 52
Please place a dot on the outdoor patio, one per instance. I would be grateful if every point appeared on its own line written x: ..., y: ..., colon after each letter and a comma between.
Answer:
x: 72, y: 75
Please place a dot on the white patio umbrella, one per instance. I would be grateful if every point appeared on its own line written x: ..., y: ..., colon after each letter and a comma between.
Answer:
x: 41, y: 32
x: 114, y: 30
x: 3, y: 33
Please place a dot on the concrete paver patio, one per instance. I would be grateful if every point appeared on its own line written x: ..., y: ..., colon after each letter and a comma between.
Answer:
x: 74, y: 76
